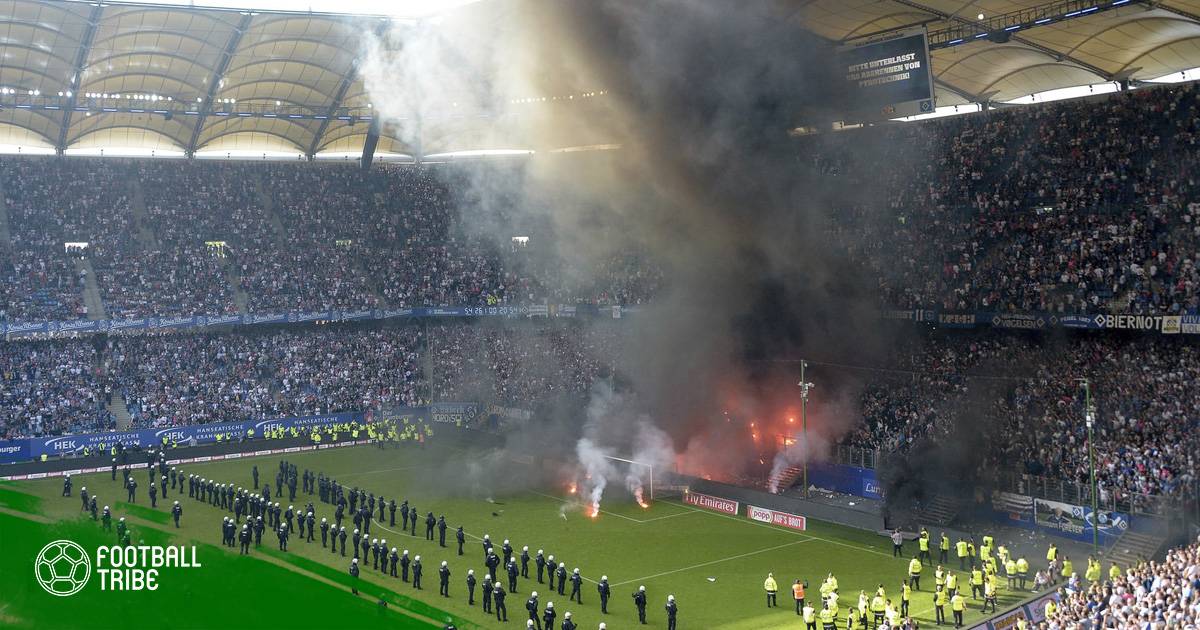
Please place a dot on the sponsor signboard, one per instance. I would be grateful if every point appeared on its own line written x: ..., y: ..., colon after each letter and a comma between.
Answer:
x: 710, y: 502
x: 775, y: 517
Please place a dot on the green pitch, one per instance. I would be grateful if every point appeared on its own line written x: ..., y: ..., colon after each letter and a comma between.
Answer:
x: 714, y: 564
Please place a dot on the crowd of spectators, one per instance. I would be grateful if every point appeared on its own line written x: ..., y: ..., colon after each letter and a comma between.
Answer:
x: 1024, y: 397
x: 174, y: 237
x: 1162, y: 594
x: 519, y: 366
x: 1019, y: 395
x: 1071, y: 207
x: 170, y: 380
x: 49, y: 387
x: 52, y: 388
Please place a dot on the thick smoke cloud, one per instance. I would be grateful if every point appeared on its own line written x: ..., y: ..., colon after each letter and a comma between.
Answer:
x: 699, y: 96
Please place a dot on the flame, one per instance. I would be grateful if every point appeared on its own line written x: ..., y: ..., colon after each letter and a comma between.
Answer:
x: 637, y: 494
x: 572, y: 488
x: 595, y: 509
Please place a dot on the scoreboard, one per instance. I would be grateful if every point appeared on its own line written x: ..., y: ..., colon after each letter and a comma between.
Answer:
x: 887, y: 77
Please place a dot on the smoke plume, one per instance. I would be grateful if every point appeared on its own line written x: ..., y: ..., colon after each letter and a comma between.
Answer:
x: 693, y: 102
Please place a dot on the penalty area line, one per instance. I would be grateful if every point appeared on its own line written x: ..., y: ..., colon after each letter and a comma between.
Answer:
x: 780, y: 529
x: 562, y: 500
x: 376, y: 472
x: 468, y: 535
x: 712, y: 562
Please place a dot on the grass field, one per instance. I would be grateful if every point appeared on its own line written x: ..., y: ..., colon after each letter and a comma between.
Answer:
x: 713, y: 563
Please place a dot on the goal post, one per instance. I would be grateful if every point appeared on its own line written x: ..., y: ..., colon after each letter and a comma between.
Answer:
x: 646, y: 472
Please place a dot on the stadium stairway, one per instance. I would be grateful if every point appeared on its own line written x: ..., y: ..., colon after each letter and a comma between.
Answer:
x: 234, y: 278
x: 268, y: 204
x: 784, y: 479
x: 91, y: 289
x: 137, y: 202
x: 5, y: 234
x: 120, y: 412
x: 940, y: 511
x: 1132, y: 548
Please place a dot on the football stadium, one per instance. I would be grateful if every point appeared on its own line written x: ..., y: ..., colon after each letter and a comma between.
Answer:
x: 696, y: 314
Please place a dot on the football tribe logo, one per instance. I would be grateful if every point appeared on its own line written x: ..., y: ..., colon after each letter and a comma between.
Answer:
x: 63, y: 568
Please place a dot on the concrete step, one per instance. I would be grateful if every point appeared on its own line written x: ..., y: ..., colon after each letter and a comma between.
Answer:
x: 268, y: 204
x: 784, y: 479
x: 1132, y: 548
x: 940, y: 511
x: 234, y: 277
x: 119, y: 411
x: 5, y: 230
x: 91, y: 290
x: 141, y: 216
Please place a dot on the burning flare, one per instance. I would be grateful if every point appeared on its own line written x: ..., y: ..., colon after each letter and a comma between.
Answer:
x: 595, y: 509
x: 637, y: 494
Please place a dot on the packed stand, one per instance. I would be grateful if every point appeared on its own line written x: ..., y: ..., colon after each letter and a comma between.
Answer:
x: 1071, y: 207
x: 170, y: 380
x: 50, y: 203
x: 321, y: 260
x: 1147, y: 428
x: 520, y: 365
x: 1162, y: 594
x: 52, y: 388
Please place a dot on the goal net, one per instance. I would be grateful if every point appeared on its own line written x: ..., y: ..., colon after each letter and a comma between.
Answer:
x: 639, y: 478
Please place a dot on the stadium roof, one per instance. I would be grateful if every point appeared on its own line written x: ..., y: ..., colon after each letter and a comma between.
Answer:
x: 1001, y: 50
x: 80, y: 76
x: 63, y: 61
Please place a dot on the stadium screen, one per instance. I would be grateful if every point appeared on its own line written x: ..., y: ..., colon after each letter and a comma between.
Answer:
x: 887, y: 78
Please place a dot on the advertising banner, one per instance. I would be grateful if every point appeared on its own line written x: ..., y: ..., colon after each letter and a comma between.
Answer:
x: 710, y: 502
x: 853, y: 480
x: 774, y: 517
x: 1074, y: 521
x: 1163, y: 324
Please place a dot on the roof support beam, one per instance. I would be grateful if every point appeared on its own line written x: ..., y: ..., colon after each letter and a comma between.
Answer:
x: 340, y: 94
x: 218, y: 74
x: 971, y: 98
x: 957, y: 19
x: 81, y: 56
x: 338, y: 97
x: 1177, y: 11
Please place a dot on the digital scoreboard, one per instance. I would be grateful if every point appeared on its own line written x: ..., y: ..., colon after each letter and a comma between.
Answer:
x: 887, y: 76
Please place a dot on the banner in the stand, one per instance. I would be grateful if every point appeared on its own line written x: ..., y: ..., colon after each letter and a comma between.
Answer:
x: 1162, y: 324
x: 33, y: 448
x: 458, y: 414
x: 1078, y: 522
x: 28, y: 329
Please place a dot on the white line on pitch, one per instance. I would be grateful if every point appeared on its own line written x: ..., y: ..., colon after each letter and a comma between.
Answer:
x: 469, y: 535
x: 562, y: 500
x: 779, y: 529
x: 375, y: 472
x: 659, y: 518
x: 711, y: 562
